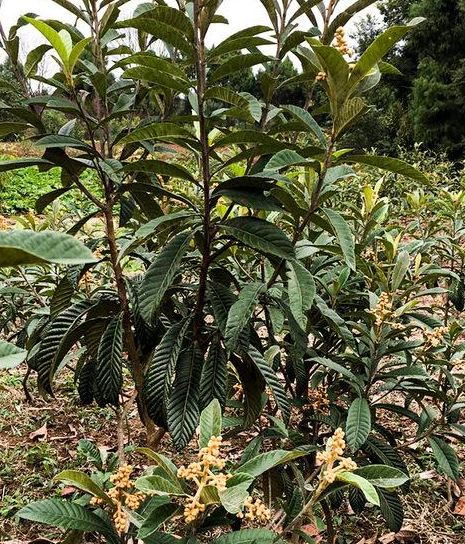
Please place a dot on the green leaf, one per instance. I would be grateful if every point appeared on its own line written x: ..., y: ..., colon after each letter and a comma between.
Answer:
x: 233, y: 497
x: 382, y: 476
x: 17, y: 164
x: 156, y: 77
x: 376, y: 51
x: 266, y: 461
x: 53, y: 37
x: 214, y: 378
x: 360, y: 483
x: 210, y: 423
x: 76, y: 52
x: 22, y: 247
x: 348, y: 114
x: 160, y: 373
x: 392, y: 509
x: 272, y: 381
x: 358, y: 425
x: 164, y: 463
x: 160, y: 275
x: 446, y: 457
x: 303, y: 116
x: 240, y: 313
x: 65, y: 515
x: 283, y: 159
x: 400, y: 269
x: 247, y: 536
x: 301, y: 290
x: 155, y: 131
x: 237, y: 64
x: 12, y: 128
x: 183, y: 406
x: 337, y: 368
x: 11, y: 356
x: 389, y: 164
x: 157, y: 485
x: 109, y: 374
x: 160, y: 167
x: 81, y: 481
x: 344, y: 236
x: 260, y: 235
x: 157, y: 517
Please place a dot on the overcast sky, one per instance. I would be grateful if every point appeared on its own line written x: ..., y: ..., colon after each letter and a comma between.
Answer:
x: 240, y: 13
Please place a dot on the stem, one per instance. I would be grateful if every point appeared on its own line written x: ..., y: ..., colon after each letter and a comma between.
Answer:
x: 200, y: 67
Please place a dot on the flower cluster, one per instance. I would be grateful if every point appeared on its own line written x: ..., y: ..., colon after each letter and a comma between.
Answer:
x: 459, y: 365
x: 192, y: 508
x: 318, y: 398
x: 321, y: 76
x: 433, y: 339
x: 201, y: 472
x: 121, y: 495
x: 239, y: 390
x: 383, y: 309
x: 333, y: 453
x: 255, y: 509
x: 341, y: 43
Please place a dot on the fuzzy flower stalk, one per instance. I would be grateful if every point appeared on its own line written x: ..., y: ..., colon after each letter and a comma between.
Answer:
x: 208, y: 470
x: 122, y: 495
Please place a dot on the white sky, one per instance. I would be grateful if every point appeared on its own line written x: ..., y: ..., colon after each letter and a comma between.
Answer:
x: 240, y: 13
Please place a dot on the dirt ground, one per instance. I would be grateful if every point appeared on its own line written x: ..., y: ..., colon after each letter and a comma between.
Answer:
x: 39, y: 440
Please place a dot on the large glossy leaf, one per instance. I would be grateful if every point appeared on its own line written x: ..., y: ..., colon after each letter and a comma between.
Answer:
x: 272, y: 381
x: 301, y: 290
x: 109, y: 375
x: 183, y: 406
x: 57, y: 341
x: 161, y: 274
x: 81, y: 481
x: 247, y: 536
x: 261, y: 235
x: 376, y: 51
x: 389, y: 164
x: 157, y: 516
x: 392, y: 509
x: 266, y: 461
x: 358, y: 425
x: 360, y: 483
x: 445, y: 456
x: 304, y: 117
x: 214, y: 378
x: 344, y: 236
x: 160, y: 373
x: 236, y: 64
x: 22, y: 247
x: 382, y: 476
x: 66, y: 515
x: 233, y: 497
x: 11, y: 356
x: 241, y: 312
x: 17, y: 164
x: 160, y: 167
x: 156, y: 131
x: 52, y: 36
x: 210, y: 423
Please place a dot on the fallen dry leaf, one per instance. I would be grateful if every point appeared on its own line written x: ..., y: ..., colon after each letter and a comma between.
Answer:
x: 312, y: 530
x: 41, y: 434
x: 459, y: 509
x: 387, y: 539
x: 68, y: 490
